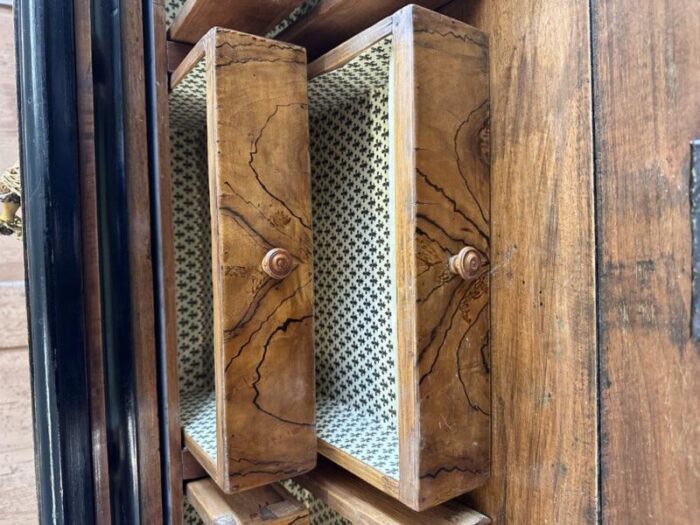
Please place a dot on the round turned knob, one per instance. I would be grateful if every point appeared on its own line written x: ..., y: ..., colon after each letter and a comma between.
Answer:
x: 466, y: 264
x: 277, y: 263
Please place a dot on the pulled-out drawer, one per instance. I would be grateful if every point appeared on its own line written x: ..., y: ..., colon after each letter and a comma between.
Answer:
x: 243, y: 258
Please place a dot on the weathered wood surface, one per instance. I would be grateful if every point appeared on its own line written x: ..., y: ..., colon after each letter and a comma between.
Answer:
x: 359, y: 502
x: 647, y: 110
x: 332, y: 22
x: 543, y: 317
x: 256, y: 17
x: 441, y: 167
x: 270, y: 505
x: 260, y: 189
x: 443, y: 194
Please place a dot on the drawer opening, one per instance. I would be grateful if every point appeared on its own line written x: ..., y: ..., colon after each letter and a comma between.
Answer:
x: 193, y: 260
x: 354, y: 284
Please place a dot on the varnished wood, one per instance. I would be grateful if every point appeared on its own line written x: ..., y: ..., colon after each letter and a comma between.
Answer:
x: 91, y: 270
x: 358, y: 502
x: 260, y: 199
x: 270, y: 505
x: 191, y: 468
x: 647, y: 110
x: 140, y: 262
x: 256, y: 17
x: 441, y: 165
x: 332, y: 22
x: 542, y: 263
x: 175, y: 465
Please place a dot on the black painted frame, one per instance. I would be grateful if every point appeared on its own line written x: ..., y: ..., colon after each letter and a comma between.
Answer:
x: 48, y: 129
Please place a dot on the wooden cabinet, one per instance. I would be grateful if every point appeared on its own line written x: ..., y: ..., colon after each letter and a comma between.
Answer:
x: 371, y: 195
x: 240, y: 184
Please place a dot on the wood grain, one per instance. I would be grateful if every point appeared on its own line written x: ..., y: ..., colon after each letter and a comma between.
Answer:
x: 18, y: 503
x: 358, y: 502
x: 441, y: 166
x: 270, y: 505
x: 256, y: 17
x: 647, y: 110
x: 260, y: 199
x: 163, y: 193
x: 332, y: 22
x: 91, y: 258
x: 140, y: 262
x: 543, y: 362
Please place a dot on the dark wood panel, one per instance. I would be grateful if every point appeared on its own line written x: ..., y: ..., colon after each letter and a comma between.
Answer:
x: 647, y: 109
x: 332, y: 22
x: 543, y: 326
x: 256, y: 17
x: 140, y: 262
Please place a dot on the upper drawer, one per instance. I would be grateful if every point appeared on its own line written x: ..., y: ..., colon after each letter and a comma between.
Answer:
x: 243, y: 258
x: 400, y: 197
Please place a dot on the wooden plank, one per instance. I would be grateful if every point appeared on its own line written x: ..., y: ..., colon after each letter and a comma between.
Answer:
x: 256, y: 17
x: 91, y: 270
x: 18, y: 504
x: 647, y: 110
x: 11, y: 259
x: 175, y: 466
x: 140, y: 262
x: 544, y: 453
x: 270, y: 505
x: 441, y: 94
x: 261, y: 199
x: 13, y: 315
x: 191, y: 468
x: 176, y: 53
x: 332, y: 22
x: 358, y: 502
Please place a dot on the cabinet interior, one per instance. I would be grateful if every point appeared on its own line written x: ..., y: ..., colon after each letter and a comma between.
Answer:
x: 354, y: 268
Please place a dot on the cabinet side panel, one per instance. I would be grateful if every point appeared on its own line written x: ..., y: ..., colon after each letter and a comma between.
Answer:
x: 452, y: 192
x: 260, y: 184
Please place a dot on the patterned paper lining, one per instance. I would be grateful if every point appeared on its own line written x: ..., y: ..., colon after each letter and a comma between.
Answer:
x: 351, y: 186
x: 192, y: 234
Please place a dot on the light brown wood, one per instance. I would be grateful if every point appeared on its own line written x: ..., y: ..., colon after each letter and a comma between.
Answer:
x: 270, y: 505
x: 11, y: 259
x: 332, y: 22
x: 359, y: 503
x: 647, y: 110
x: 441, y: 165
x: 91, y: 277
x: 9, y: 149
x: 256, y: 17
x: 140, y: 262
x: 544, y: 454
x: 176, y: 53
x: 260, y: 199
x: 18, y: 503
x: 13, y: 312
x: 175, y: 467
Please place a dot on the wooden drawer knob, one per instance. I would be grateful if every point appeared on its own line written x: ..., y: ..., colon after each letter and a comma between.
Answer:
x: 277, y: 263
x: 466, y: 264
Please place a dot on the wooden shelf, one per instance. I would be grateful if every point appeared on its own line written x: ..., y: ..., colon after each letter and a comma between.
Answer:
x: 270, y: 505
x: 358, y: 502
x: 256, y: 17
x: 332, y: 22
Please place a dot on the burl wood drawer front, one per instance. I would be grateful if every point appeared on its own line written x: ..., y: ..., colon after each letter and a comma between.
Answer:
x: 400, y: 186
x: 241, y: 189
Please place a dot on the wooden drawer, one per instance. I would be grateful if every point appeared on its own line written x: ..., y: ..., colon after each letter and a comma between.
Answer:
x: 240, y: 183
x: 400, y: 184
x: 398, y: 203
